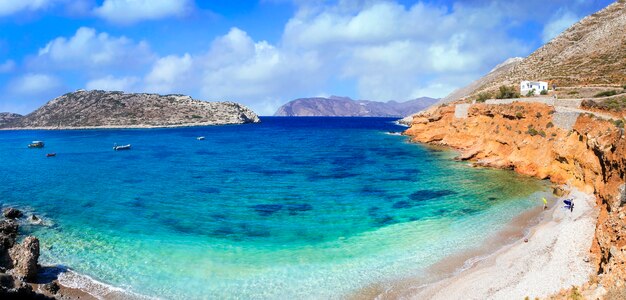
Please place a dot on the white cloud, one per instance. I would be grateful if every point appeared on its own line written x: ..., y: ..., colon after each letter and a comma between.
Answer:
x: 169, y: 74
x: 34, y: 84
x: 131, y: 11
x: 558, y: 24
x: 89, y: 50
x: 8, y: 7
x: 238, y: 68
x: 7, y: 66
x: 370, y: 49
x: 391, y: 51
x: 111, y: 83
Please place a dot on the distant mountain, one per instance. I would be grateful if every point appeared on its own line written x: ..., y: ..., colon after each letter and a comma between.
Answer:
x: 8, y: 117
x: 101, y: 109
x: 346, y: 107
x: 590, y: 52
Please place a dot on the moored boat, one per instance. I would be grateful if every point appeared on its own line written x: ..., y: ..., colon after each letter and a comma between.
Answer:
x: 200, y: 138
x: 51, y: 155
x: 124, y: 147
x: 36, y: 144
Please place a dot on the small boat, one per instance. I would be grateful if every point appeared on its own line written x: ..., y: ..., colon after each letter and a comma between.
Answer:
x: 36, y: 144
x: 124, y: 147
x: 51, y: 155
x: 200, y: 138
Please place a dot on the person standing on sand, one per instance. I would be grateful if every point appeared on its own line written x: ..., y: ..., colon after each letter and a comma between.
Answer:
x: 571, y: 206
x: 545, y: 203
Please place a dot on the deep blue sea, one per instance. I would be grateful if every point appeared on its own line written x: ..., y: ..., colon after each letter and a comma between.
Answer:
x: 289, y: 208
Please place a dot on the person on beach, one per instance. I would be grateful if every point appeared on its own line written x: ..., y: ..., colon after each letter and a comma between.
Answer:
x: 545, y: 203
x: 569, y: 203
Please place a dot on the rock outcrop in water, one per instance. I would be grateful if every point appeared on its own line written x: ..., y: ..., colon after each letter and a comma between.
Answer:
x: 346, y: 107
x: 100, y: 109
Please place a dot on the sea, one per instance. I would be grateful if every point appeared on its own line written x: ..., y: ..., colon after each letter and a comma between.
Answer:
x: 290, y: 208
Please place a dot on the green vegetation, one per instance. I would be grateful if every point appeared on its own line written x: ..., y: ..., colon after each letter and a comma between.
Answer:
x: 543, y: 92
x: 606, y: 94
x: 575, y: 294
x: 482, y: 97
x: 614, y: 104
x: 530, y: 93
x: 619, y: 123
x: 572, y: 93
x: 549, y: 125
x: 519, y: 115
x: 196, y: 117
x: 532, y: 131
x: 507, y: 92
x: 538, y: 115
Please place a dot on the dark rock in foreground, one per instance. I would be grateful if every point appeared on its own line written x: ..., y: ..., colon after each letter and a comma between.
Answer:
x: 18, y: 263
x: 11, y: 213
x: 25, y: 256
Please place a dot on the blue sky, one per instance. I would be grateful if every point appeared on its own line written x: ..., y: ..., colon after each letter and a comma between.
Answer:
x: 267, y: 52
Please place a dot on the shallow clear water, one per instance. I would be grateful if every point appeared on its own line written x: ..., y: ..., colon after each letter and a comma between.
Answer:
x: 291, y: 207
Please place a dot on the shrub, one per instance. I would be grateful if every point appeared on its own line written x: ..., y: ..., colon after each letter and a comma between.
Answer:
x: 544, y: 92
x: 530, y: 93
x: 196, y: 117
x: 482, y: 97
x: 624, y: 87
x: 538, y: 115
x: 519, y: 115
x: 549, y: 125
x: 572, y: 93
x: 507, y: 92
x: 606, y: 94
x: 532, y: 131
x: 619, y: 123
x: 542, y: 133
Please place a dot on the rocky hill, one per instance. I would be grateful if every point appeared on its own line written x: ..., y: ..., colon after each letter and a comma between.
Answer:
x: 346, y: 107
x: 591, y: 52
x: 101, y: 109
x: 8, y: 117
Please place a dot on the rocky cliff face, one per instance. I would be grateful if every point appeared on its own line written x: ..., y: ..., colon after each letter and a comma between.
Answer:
x: 94, y: 109
x: 591, y: 52
x: 8, y: 117
x: 522, y: 137
x: 346, y: 107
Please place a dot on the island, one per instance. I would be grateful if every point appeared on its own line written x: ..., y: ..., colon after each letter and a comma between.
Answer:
x: 346, y: 107
x: 104, y: 109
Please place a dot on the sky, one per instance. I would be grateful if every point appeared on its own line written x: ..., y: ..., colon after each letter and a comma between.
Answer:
x: 265, y: 53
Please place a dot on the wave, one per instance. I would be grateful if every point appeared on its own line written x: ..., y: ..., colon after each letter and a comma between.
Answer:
x: 100, y: 290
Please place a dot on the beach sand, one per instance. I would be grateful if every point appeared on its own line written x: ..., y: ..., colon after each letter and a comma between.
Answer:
x: 556, y: 256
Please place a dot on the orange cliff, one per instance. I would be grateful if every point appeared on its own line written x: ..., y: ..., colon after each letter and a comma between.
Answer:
x: 590, y: 156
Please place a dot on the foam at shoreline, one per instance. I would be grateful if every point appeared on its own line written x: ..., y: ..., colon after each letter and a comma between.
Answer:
x: 95, y: 288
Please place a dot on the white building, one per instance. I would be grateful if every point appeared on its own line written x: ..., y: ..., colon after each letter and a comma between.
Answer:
x: 538, y: 86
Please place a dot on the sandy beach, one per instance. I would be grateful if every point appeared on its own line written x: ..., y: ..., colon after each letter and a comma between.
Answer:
x: 556, y: 256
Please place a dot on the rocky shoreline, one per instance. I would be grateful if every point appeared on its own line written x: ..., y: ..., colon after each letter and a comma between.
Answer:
x: 21, y: 275
x: 522, y: 137
x: 19, y: 261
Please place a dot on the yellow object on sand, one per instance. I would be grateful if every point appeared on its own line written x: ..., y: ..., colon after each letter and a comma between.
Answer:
x: 545, y: 201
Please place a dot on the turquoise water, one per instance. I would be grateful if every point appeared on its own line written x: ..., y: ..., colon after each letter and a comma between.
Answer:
x: 289, y: 208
